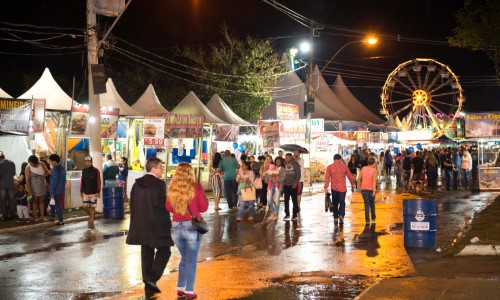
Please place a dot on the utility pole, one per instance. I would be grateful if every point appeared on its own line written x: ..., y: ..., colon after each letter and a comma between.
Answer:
x: 94, y: 123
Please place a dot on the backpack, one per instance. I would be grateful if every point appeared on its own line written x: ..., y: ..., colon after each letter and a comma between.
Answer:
x: 388, y: 160
x: 407, y: 163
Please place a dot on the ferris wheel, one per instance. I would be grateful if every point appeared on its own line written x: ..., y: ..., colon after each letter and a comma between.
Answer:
x: 422, y: 94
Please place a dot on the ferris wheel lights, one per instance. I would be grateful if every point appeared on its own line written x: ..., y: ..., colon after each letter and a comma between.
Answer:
x: 402, y: 73
x: 445, y: 74
x: 417, y: 68
x: 431, y: 68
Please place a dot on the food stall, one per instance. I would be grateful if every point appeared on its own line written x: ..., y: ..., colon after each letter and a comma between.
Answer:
x: 484, y: 128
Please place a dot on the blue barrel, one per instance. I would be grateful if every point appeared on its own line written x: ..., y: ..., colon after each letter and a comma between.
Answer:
x: 419, y: 222
x: 112, y: 200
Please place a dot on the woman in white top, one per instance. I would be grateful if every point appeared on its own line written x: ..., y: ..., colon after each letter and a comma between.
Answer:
x: 245, y: 180
x: 465, y: 168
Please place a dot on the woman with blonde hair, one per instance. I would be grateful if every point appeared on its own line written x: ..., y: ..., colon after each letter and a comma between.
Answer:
x: 186, y: 199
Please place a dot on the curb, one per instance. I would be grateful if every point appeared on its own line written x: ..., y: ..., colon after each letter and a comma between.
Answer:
x: 480, y: 250
x: 367, y: 290
x: 45, y: 224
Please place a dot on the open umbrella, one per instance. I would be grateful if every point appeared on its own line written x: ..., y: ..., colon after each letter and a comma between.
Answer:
x: 293, y: 147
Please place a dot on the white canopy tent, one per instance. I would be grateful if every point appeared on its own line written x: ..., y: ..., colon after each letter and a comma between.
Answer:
x: 192, y: 105
x: 224, y: 112
x: 149, y: 104
x: 113, y: 99
x: 325, y: 95
x: 292, y: 90
x: 351, y: 102
x: 3, y: 94
x: 47, y: 88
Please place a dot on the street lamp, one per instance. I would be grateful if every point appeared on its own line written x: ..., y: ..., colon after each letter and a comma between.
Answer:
x: 370, y: 41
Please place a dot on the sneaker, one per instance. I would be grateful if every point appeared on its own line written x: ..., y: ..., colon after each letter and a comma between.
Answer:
x: 181, y: 295
x: 250, y: 219
x: 60, y: 224
x: 294, y: 219
x: 191, y: 296
x: 286, y: 218
x: 238, y: 219
x: 51, y: 219
x: 19, y: 220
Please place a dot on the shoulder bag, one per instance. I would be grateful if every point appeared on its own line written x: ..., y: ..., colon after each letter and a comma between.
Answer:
x: 198, y: 223
x: 248, y: 193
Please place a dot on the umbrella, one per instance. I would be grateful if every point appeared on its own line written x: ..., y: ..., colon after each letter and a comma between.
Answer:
x: 293, y: 147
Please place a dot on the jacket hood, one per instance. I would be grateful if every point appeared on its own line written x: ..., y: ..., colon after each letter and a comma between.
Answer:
x: 146, y: 180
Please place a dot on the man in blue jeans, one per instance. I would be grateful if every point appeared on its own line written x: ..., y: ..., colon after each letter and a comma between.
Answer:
x: 229, y: 165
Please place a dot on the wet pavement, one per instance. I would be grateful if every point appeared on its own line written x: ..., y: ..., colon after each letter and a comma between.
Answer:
x: 312, y: 258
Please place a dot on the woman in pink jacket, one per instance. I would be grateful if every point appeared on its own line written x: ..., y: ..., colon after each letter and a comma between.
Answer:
x: 186, y: 198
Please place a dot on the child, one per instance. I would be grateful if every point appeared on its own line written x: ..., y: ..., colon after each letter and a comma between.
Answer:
x: 22, y: 204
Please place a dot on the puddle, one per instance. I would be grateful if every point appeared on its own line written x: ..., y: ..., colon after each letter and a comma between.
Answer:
x: 396, y: 228
x: 96, y: 295
x: 334, y: 287
x: 89, y: 236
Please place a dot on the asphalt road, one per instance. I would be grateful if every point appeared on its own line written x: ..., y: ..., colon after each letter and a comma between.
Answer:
x: 237, y: 259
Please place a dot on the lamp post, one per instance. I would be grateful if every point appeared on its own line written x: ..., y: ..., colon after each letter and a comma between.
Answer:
x: 370, y: 41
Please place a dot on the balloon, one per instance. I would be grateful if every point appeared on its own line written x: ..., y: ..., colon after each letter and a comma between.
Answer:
x: 396, y: 150
x: 411, y: 149
x: 235, y: 145
x: 419, y: 146
x: 241, y: 148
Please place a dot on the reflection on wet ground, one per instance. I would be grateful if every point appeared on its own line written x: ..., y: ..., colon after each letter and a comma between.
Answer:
x: 89, y: 236
x: 332, y: 287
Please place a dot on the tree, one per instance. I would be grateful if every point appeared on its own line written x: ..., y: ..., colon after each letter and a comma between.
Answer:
x: 479, y: 29
x: 243, y: 72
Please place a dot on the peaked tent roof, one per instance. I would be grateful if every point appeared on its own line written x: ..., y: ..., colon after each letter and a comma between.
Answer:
x: 148, y: 104
x: 191, y: 105
x: 224, y: 112
x: 3, y: 94
x: 113, y: 99
x: 351, y: 102
x: 47, y: 88
x: 292, y: 90
x: 323, y: 92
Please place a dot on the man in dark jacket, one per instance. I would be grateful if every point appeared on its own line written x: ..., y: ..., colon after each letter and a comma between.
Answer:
x: 57, y: 188
x: 150, y: 224
x: 292, y: 180
x: 7, y: 202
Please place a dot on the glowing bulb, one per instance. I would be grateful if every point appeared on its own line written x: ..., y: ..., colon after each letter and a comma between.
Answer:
x: 92, y: 120
x: 372, y: 41
x: 305, y: 47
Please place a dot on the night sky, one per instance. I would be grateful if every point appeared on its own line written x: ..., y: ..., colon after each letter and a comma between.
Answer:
x: 159, y: 25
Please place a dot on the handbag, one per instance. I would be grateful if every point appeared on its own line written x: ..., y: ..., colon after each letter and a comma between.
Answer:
x: 198, y: 223
x: 328, y: 203
x: 248, y: 193
x: 257, y: 183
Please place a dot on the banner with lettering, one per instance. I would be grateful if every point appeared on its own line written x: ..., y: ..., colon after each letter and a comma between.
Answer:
x: 226, y: 133
x: 286, y: 111
x: 15, y: 116
x: 482, y: 124
x: 79, y: 120
x: 489, y: 178
x: 154, y: 132
x: 358, y: 136
x: 269, y: 131
x: 109, y: 122
x: 38, y: 118
x: 183, y: 126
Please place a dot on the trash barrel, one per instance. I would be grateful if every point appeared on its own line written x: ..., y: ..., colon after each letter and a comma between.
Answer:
x: 112, y: 198
x: 419, y: 222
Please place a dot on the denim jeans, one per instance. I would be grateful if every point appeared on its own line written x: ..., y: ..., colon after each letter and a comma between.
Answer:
x: 231, y: 190
x: 455, y: 179
x: 242, y: 204
x: 273, y: 196
x: 465, y: 178
x: 369, y: 204
x: 188, y: 242
x: 449, y: 174
x: 57, y: 208
x: 290, y: 192
x: 338, y: 201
